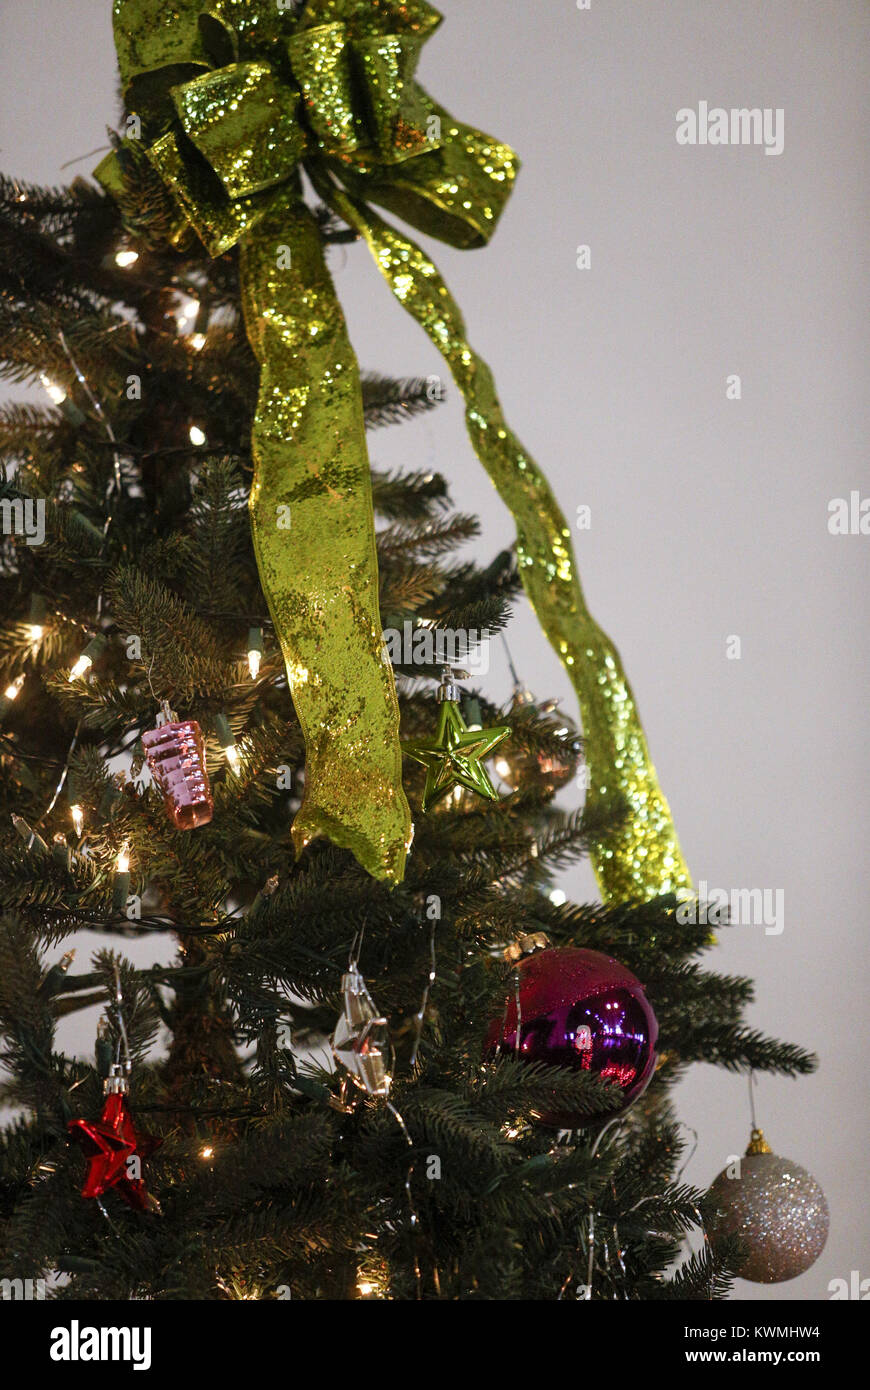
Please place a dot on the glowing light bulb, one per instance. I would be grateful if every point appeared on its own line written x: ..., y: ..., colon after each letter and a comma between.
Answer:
x: 207, y: 1152
x: 503, y: 768
x: 83, y: 664
x: 197, y: 436
x: 227, y: 742
x: 255, y: 651
x: 36, y: 619
x: 365, y: 1288
x: 55, y: 392
x: 78, y: 818
x: 121, y: 885
x: 11, y: 691
x: 197, y: 342
x: 95, y: 648
x: 557, y: 897
x: 188, y: 311
x: 126, y: 257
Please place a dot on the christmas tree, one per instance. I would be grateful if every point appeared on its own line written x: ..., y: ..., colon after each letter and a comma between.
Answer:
x: 342, y: 1086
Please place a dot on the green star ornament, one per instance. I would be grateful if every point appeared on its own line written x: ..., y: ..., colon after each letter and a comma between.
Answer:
x: 454, y: 757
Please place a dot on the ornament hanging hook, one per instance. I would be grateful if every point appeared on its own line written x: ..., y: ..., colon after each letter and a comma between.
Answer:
x: 356, y: 945
x: 753, y: 1081
x: 518, y: 685
x: 123, y: 1040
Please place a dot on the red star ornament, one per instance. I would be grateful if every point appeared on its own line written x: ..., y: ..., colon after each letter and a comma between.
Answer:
x: 108, y: 1144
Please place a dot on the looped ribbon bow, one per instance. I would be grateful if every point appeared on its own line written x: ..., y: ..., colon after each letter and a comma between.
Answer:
x: 236, y: 96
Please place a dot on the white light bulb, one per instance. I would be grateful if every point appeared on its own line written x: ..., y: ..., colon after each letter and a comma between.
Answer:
x: 197, y: 436
x: 232, y: 757
x: 557, y: 897
x: 55, y: 392
x: 197, y: 342
x: 12, y: 689
x: 254, y: 658
x: 83, y: 664
x: 188, y: 312
x: 36, y: 632
x: 123, y: 861
x: 503, y: 768
x: 125, y: 258
x: 78, y: 818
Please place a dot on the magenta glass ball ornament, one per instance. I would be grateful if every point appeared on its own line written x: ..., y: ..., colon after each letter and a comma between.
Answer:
x: 585, y: 1011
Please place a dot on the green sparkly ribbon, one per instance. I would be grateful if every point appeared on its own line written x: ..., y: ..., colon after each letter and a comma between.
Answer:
x: 239, y: 92
x: 643, y: 859
x: 235, y: 96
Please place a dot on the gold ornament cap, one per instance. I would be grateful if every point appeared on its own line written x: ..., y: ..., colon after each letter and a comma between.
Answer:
x: 527, y: 945
x: 758, y: 1144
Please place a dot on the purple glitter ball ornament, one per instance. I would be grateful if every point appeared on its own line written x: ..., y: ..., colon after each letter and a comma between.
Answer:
x: 581, y: 1010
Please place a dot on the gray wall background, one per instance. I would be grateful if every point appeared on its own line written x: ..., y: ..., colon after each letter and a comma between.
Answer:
x: 709, y: 516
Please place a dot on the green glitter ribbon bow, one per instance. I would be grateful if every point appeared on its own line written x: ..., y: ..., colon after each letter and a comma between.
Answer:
x: 249, y: 90
x: 236, y: 95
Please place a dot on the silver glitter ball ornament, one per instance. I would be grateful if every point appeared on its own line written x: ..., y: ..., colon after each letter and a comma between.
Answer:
x: 776, y: 1209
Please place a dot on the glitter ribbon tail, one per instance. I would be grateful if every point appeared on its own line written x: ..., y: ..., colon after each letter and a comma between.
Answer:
x: 643, y: 859
x: 313, y: 527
